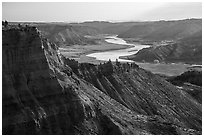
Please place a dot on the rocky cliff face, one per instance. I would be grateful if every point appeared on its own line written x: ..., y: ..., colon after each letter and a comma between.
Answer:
x: 144, y: 93
x: 42, y: 95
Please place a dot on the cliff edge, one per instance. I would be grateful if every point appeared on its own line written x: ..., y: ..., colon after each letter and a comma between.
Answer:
x: 41, y: 95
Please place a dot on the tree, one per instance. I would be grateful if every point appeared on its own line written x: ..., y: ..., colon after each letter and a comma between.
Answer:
x: 117, y: 62
x: 74, y: 65
x: 19, y: 25
x: 5, y: 23
x: 107, y: 68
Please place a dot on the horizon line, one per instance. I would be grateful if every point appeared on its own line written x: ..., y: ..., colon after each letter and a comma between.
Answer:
x: 109, y: 21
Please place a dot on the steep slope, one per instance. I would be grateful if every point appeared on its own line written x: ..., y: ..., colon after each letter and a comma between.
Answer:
x: 65, y: 35
x: 164, y: 30
x: 143, y: 92
x: 191, y: 82
x: 188, y: 50
x: 41, y: 94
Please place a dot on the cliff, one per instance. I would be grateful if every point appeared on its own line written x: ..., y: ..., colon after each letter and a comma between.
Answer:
x: 144, y: 93
x: 41, y: 94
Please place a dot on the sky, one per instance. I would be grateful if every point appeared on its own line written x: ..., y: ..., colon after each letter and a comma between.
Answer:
x: 104, y: 11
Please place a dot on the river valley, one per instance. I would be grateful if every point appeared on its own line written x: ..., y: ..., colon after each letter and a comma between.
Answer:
x: 112, y: 47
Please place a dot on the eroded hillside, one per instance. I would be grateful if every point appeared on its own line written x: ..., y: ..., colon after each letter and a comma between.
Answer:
x: 66, y: 35
x: 142, y: 92
x: 41, y: 94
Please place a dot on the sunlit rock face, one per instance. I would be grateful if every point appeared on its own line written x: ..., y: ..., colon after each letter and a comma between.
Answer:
x: 41, y: 94
x: 145, y: 93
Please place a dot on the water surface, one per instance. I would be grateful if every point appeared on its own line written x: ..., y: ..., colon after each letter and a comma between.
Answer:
x: 115, y: 54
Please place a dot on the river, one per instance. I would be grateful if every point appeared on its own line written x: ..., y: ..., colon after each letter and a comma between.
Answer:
x: 115, y: 54
x: 170, y: 69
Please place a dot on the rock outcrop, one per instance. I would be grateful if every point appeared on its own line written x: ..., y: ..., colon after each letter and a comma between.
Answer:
x: 41, y: 94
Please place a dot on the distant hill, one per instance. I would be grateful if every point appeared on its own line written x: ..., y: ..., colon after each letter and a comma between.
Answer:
x: 164, y: 30
x: 152, y: 30
x: 73, y: 33
x: 109, y: 27
x: 63, y: 34
x: 188, y: 50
